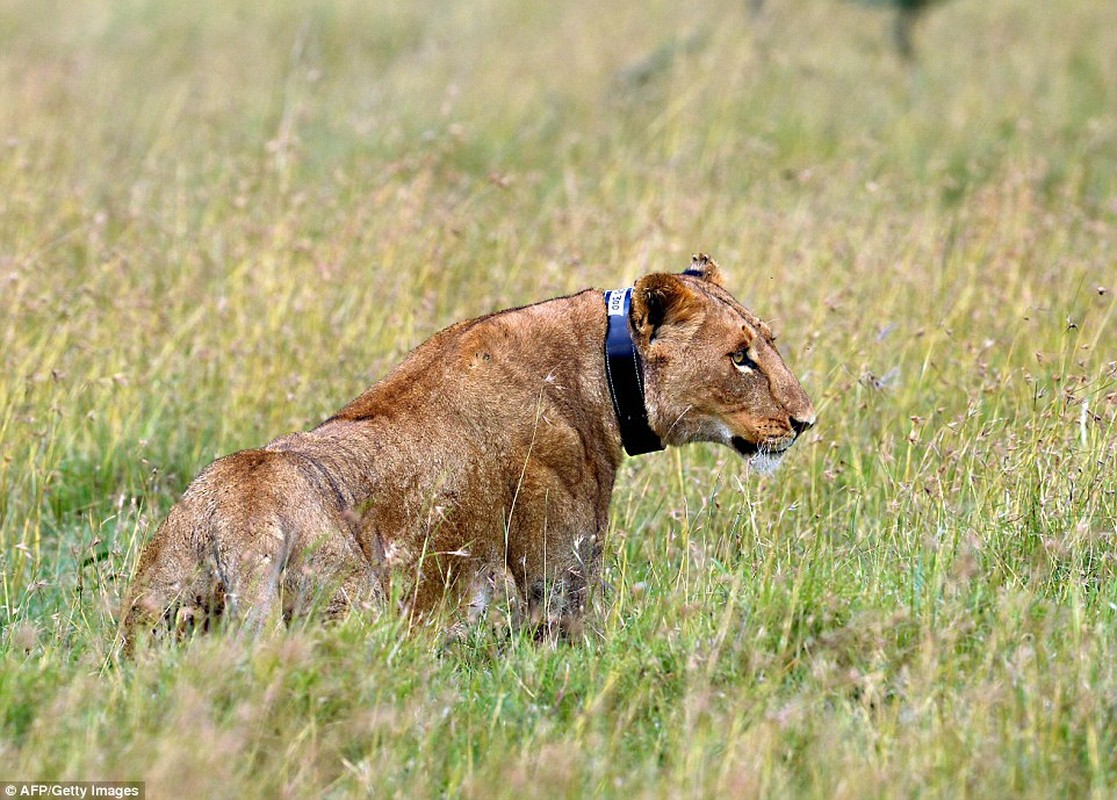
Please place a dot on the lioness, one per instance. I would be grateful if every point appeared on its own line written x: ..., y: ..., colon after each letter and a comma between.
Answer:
x: 494, y: 445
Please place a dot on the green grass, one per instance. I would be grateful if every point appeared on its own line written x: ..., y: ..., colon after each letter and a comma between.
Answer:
x: 217, y: 224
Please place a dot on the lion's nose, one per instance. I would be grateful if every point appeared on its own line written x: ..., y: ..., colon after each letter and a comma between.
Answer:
x: 800, y: 425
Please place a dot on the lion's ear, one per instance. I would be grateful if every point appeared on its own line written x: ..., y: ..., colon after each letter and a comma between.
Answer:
x: 704, y: 267
x: 660, y: 299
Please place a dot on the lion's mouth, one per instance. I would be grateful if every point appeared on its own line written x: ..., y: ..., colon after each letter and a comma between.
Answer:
x: 744, y: 447
x: 749, y: 449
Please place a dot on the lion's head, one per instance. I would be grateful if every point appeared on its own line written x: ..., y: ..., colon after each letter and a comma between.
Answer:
x: 711, y: 368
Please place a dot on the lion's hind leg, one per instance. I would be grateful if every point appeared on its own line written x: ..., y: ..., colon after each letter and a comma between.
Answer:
x: 173, y: 593
x: 329, y: 575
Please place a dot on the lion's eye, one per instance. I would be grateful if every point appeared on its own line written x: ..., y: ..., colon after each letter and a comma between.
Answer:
x: 742, y: 361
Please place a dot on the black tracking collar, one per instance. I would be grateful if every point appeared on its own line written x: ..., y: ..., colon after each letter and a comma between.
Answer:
x: 626, y: 378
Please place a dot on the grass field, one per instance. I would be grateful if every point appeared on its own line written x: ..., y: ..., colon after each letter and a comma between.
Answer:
x: 220, y: 221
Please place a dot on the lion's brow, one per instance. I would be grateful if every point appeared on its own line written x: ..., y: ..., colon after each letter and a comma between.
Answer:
x: 752, y: 319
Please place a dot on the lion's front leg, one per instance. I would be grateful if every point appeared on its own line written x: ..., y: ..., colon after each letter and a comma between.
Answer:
x: 556, y: 590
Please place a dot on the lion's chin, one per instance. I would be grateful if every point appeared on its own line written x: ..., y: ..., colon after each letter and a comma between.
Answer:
x: 765, y: 463
x: 761, y: 459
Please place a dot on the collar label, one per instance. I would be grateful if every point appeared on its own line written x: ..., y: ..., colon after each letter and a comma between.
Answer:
x: 616, y: 300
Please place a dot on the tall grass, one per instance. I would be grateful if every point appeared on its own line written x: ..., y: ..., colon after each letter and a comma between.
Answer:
x: 219, y: 223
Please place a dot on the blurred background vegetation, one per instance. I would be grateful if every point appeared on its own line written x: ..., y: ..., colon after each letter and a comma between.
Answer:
x: 219, y: 221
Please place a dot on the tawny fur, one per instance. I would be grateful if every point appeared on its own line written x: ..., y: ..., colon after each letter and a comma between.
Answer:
x: 493, y: 446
